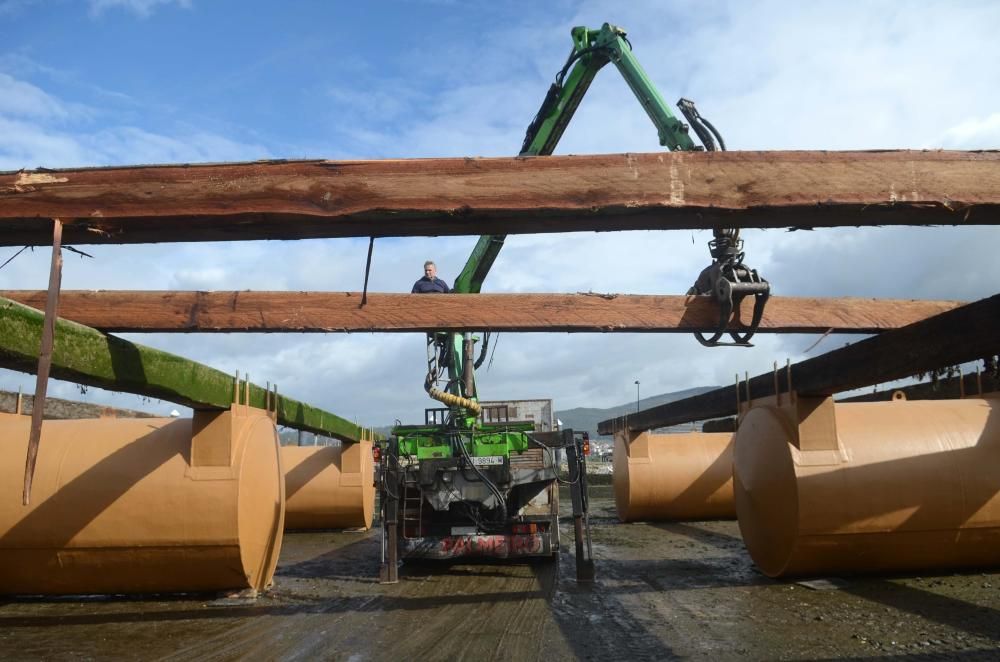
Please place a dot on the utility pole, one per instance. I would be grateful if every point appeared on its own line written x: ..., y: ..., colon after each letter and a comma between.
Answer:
x: 637, y: 396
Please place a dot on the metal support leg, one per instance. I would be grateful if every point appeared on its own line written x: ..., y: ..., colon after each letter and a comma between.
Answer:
x: 368, y: 268
x: 391, y: 486
x: 44, y: 359
x: 581, y: 524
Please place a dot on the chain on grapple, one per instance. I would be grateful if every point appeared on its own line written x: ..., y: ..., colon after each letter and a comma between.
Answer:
x: 729, y: 281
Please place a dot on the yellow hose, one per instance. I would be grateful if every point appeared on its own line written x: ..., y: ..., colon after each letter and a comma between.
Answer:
x: 455, y: 400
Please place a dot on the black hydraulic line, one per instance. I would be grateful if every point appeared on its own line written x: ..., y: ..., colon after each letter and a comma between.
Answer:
x: 728, y: 280
x: 501, y: 502
x: 482, y: 350
x: 699, y: 124
x: 368, y: 268
x: 552, y: 98
x: 715, y: 132
x: 574, y: 57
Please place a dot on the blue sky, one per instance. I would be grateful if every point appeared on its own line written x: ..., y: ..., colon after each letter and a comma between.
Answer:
x: 159, y: 81
x: 282, y: 79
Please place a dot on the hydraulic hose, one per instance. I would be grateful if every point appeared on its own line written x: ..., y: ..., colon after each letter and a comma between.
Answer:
x: 455, y: 400
x: 501, y: 502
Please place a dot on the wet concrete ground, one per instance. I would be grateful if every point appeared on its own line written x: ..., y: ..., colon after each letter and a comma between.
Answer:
x: 663, y: 591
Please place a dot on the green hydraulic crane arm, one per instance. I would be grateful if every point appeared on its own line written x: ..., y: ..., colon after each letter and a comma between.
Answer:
x: 592, y: 49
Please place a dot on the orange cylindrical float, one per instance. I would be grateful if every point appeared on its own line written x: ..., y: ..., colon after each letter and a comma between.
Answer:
x: 142, y: 505
x: 674, y: 476
x: 865, y: 487
x: 329, y: 487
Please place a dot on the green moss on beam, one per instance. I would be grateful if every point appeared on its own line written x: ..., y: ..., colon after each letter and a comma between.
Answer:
x: 87, y: 356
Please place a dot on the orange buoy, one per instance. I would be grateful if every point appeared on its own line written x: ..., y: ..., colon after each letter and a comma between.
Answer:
x: 866, y: 487
x: 329, y: 487
x: 142, y: 505
x: 674, y: 476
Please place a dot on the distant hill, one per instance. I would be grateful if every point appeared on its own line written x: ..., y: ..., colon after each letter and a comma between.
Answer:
x: 587, y: 418
x: 579, y: 419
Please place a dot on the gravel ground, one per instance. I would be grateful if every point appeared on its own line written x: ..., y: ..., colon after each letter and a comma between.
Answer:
x: 664, y: 591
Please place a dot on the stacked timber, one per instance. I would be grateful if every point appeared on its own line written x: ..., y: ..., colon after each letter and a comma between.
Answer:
x: 329, y: 487
x: 142, y: 505
x: 673, y: 476
x: 869, y: 487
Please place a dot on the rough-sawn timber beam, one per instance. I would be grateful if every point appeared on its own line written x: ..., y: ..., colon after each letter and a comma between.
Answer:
x: 145, y: 311
x: 944, y: 389
x: 466, y: 196
x: 86, y: 356
x: 963, y: 334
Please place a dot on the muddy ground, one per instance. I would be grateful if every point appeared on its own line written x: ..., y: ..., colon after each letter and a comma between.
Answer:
x: 663, y: 591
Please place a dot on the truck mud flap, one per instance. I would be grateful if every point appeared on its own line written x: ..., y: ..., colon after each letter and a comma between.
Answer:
x: 496, y: 546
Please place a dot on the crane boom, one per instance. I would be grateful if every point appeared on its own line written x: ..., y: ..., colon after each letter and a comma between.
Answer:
x: 592, y: 49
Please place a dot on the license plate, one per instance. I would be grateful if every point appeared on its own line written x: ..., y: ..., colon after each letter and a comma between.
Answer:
x: 488, y: 460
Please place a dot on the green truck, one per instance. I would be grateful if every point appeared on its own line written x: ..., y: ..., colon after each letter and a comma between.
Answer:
x: 476, y: 481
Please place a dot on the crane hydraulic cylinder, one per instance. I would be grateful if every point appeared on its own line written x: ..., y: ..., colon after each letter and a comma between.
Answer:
x: 144, y: 505
x: 329, y: 487
x: 674, y: 476
x: 826, y: 488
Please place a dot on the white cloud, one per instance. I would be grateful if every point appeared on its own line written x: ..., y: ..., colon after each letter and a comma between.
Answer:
x: 42, y: 130
x: 23, y: 99
x: 209, y: 278
x: 778, y: 75
x: 141, y: 8
x: 14, y: 7
x: 127, y: 145
x: 29, y: 145
x: 974, y: 133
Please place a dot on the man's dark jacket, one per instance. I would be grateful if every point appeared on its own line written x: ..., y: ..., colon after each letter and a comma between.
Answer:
x: 427, y: 285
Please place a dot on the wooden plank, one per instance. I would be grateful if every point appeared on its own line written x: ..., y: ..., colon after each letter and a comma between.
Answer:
x: 963, y: 334
x: 944, y: 389
x: 166, y: 311
x: 675, y: 190
x: 86, y: 356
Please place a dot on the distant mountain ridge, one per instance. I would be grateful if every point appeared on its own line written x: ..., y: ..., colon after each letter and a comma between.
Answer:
x: 587, y: 418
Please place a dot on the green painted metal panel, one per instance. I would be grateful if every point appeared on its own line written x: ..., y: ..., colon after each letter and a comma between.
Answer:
x: 425, y: 442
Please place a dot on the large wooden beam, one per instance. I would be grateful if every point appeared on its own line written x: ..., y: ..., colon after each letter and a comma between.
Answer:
x: 964, y: 334
x: 669, y: 190
x: 949, y: 388
x: 140, y: 311
x: 86, y: 356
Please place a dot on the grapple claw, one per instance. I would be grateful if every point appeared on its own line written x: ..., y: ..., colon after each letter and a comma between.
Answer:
x: 729, y: 281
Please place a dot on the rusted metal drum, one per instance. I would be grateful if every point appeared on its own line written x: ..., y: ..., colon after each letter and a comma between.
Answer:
x: 910, y: 485
x: 329, y: 487
x: 142, y: 505
x: 674, y: 476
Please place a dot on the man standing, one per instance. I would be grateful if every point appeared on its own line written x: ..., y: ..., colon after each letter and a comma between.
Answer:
x: 430, y: 283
